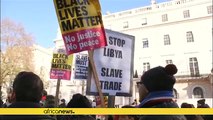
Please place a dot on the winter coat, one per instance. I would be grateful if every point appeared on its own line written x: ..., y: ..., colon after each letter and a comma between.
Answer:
x: 166, y: 104
x: 161, y: 99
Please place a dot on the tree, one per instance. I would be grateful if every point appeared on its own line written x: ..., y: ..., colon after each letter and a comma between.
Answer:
x: 16, y: 50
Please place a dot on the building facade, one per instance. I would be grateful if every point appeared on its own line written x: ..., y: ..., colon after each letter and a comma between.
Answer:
x: 178, y: 32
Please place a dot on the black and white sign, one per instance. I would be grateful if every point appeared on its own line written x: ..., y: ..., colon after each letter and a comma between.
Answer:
x: 81, y: 66
x: 114, y: 65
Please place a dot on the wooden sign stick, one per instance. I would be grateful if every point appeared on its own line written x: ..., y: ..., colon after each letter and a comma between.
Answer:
x: 91, y: 60
x: 57, y: 92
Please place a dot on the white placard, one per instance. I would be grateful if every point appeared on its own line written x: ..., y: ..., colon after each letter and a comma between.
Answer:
x: 114, y: 65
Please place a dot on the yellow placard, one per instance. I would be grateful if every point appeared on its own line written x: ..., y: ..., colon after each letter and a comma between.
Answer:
x: 74, y: 15
x: 81, y: 24
x: 61, y: 66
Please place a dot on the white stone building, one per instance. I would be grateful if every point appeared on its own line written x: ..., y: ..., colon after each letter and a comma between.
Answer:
x: 177, y: 31
x: 42, y: 63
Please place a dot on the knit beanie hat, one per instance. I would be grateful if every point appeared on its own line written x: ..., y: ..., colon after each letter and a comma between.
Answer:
x: 160, y: 78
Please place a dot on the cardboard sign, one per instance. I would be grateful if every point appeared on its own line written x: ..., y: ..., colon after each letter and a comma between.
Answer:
x: 61, y: 66
x: 114, y: 65
x: 81, y: 66
x: 81, y: 24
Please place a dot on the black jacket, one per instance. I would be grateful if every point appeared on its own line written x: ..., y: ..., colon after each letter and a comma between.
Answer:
x: 162, y: 104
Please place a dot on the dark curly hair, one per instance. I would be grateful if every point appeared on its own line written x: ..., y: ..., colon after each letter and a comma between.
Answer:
x: 28, y: 87
x: 79, y: 101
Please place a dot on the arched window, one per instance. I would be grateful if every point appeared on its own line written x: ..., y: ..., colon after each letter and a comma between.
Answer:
x: 198, y: 92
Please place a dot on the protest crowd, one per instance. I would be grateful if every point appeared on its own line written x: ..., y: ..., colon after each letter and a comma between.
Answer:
x: 28, y: 92
x: 82, y: 30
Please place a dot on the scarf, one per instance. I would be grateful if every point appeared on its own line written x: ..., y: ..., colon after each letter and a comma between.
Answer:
x: 159, y: 95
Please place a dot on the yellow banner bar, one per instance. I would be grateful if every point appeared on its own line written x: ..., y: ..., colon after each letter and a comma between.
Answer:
x: 106, y: 111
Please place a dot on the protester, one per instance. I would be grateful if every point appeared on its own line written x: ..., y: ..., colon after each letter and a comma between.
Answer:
x: 135, y: 102
x: 156, y: 91
x: 49, y: 102
x: 78, y: 101
x: 27, y: 93
x: 63, y: 103
x: 191, y: 117
x: 201, y: 104
x: 43, y: 98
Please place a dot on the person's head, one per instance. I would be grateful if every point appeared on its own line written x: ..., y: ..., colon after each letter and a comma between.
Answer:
x: 50, y: 101
x: 157, y: 79
x: 201, y: 102
x: 44, y: 93
x: 79, y: 101
x: 186, y: 105
x: 63, y: 100
x: 27, y: 87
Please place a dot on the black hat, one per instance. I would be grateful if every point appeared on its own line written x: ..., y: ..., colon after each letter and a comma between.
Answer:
x: 160, y: 78
x: 201, y: 101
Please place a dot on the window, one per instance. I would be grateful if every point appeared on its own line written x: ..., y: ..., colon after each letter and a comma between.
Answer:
x: 198, y: 92
x: 193, y: 65
x: 125, y: 25
x: 164, y: 18
x: 209, y: 9
x: 146, y: 66
x: 169, y: 62
x: 186, y: 14
x: 144, y: 21
x: 166, y: 40
x: 145, y: 43
x: 189, y: 36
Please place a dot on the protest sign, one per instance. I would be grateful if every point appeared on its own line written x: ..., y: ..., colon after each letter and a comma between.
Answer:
x: 61, y: 66
x: 114, y: 65
x: 81, y: 24
x: 81, y: 66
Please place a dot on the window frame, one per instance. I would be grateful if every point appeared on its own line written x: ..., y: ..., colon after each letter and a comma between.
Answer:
x: 169, y: 61
x: 189, y: 36
x: 144, y: 21
x: 186, y: 14
x: 209, y: 9
x: 126, y: 24
x: 198, y: 92
x: 194, y: 67
x: 146, y: 66
x: 164, y: 17
x: 145, y: 43
x: 167, y: 39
